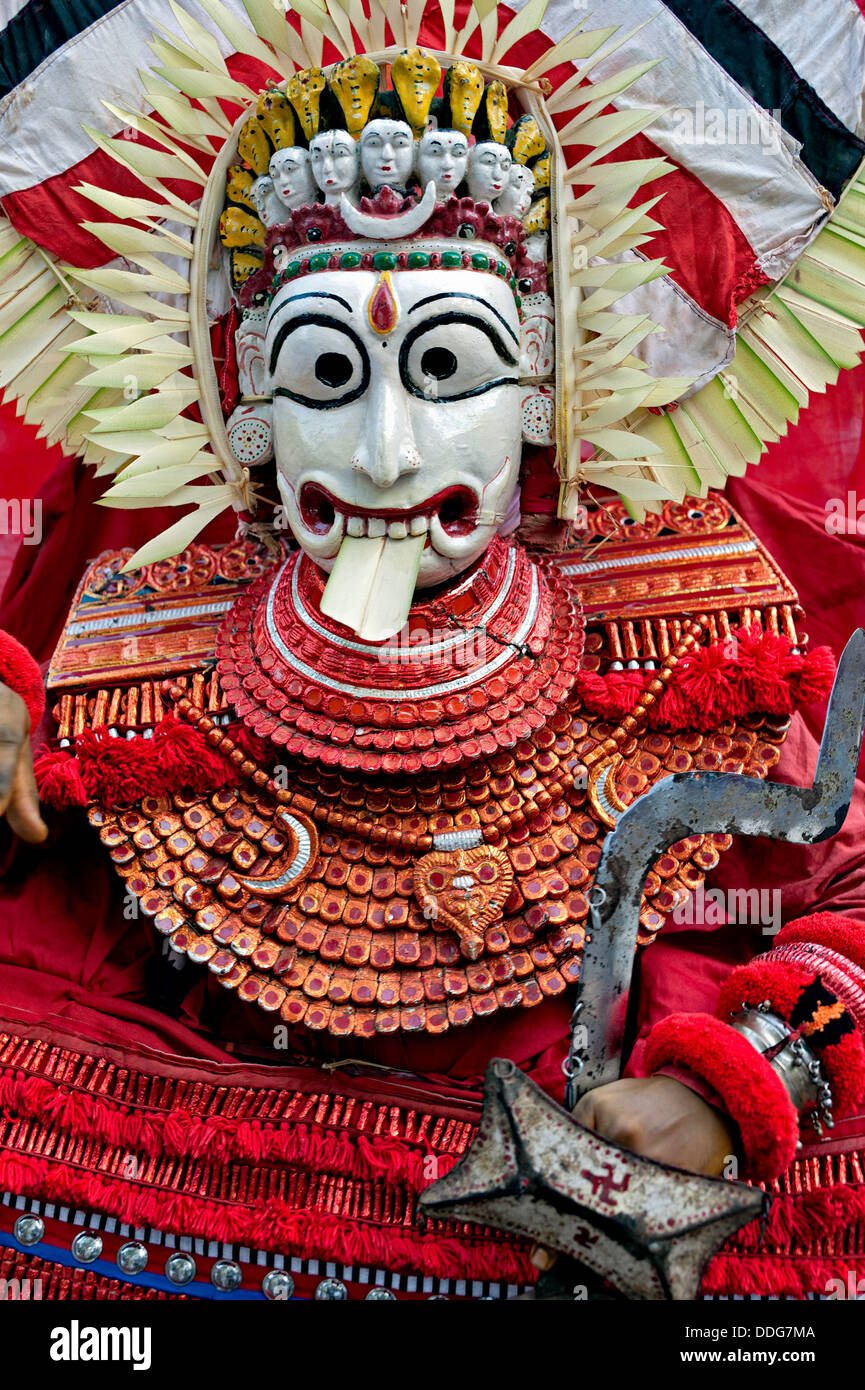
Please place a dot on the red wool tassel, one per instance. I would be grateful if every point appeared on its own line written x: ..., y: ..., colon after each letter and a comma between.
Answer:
x: 184, y: 1135
x: 768, y: 1275
x: 118, y: 772
x: 267, y: 1225
x: 841, y: 934
x: 58, y: 779
x: 782, y: 984
x: 754, y: 672
x: 20, y: 672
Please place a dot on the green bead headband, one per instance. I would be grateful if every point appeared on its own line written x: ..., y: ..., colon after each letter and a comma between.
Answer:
x: 450, y: 257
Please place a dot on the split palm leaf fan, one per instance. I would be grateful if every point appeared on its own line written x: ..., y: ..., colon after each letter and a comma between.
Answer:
x: 115, y: 364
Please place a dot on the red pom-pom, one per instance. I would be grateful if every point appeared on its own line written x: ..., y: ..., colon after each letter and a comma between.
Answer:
x: 813, y: 680
x: 748, y: 985
x: 751, y: 672
x: 781, y: 983
x: 58, y: 779
x: 19, y: 671
x: 178, y: 757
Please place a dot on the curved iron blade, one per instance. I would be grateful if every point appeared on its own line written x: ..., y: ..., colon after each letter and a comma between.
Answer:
x: 694, y: 803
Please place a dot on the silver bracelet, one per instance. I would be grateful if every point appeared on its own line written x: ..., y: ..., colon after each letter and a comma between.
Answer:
x: 791, y: 1059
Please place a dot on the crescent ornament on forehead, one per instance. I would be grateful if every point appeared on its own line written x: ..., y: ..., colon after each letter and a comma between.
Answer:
x: 404, y: 224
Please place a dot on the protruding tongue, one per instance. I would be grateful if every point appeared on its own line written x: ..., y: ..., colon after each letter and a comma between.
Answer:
x: 371, y: 585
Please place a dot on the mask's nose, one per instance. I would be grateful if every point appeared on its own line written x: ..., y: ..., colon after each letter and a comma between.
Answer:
x: 386, y: 448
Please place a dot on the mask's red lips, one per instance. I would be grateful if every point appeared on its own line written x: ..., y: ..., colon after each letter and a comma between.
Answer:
x: 456, y: 509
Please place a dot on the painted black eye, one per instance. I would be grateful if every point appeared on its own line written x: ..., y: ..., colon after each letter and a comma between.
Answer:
x: 524, y: 285
x: 457, y: 354
x: 314, y: 234
x: 333, y: 369
x: 318, y: 361
x: 438, y: 363
x: 510, y: 248
x: 466, y: 231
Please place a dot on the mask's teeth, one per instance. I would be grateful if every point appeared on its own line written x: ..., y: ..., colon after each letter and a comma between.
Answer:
x: 376, y: 526
x: 356, y: 526
x: 419, y: 525
x: 397, y: 530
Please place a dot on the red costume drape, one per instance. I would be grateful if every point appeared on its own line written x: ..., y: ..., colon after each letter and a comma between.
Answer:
x: 66, y: 948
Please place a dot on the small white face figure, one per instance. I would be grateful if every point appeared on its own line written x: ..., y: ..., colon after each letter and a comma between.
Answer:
x: 418, y: 429
x: 387, y: 153
x: 292, y: 177
x: 442, y: 157
x: 333, y: 157
x: 489, y: 168
x: 516, y: 198
x: 267, y: 204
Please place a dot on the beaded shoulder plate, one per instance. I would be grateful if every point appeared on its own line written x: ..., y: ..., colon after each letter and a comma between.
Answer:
x: 352, y: 948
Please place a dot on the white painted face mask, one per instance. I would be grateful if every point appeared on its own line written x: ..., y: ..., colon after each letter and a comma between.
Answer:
x: 387, y: 153
x: 292, y: 177
x: 442, y: 158
x: 335, y: 164
x: 397, y: 427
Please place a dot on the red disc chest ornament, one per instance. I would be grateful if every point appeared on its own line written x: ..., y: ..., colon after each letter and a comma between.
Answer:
x: 450, y: 752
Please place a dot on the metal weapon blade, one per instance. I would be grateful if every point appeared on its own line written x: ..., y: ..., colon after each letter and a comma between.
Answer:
x: 646, y: 1228
x: 694, y: 803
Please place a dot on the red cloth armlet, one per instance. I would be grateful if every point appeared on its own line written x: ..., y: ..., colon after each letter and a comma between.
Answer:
x: 753, y: 1095
x: 20, y: 672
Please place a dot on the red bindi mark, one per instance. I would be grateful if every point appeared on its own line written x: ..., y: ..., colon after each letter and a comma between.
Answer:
x: 382, y: 310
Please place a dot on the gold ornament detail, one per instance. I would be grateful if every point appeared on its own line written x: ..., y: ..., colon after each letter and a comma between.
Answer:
x: 276, y: 118
x: 496, y: 111
x: 252, y: 145
x: 237, y: 227
x: 537, y: 219
x: 464, y: 889
x: 525, y: 140
x: 238, y: 185
x: 463, y: 90
x: 543, y: 171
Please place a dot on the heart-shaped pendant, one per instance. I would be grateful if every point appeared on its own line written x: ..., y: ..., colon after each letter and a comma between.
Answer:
x: 466, y: 889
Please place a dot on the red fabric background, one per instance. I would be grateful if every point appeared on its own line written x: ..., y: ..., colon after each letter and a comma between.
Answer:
x: 66, y: 949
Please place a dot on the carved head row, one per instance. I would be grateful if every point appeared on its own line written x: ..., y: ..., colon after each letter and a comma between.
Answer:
x: 387, y: 155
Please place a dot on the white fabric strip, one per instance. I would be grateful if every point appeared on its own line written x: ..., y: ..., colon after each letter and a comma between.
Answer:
x: 826, y: 45
x: 693, y: 342
x: 767, y: 189
x: 99, y: 64
x: 8, y: 11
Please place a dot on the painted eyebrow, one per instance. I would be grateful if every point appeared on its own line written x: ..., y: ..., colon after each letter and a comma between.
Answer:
x: 322, y: 320
x: 455, y: 294
x: 315, y: 294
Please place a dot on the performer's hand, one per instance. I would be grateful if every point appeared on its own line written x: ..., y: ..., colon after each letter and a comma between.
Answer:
x: 660, y: 1118
x: 19, y: 799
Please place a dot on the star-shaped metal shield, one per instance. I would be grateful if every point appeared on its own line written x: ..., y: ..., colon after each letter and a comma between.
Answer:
x: 532, y: 1169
